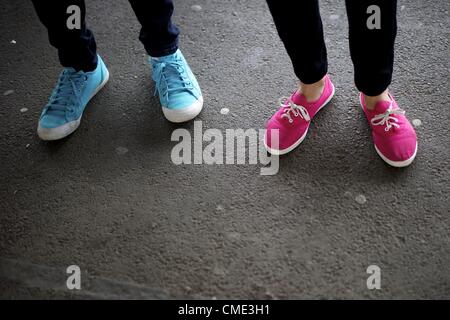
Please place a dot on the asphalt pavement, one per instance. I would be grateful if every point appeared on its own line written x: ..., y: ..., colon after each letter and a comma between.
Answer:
x: 110, y: 200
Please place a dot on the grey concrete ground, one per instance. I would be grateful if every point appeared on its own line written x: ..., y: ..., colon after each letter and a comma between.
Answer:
x: 110, y: 200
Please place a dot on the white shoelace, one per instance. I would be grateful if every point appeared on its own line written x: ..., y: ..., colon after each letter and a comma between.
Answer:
x: 387, y: 118
x: 293, y: 109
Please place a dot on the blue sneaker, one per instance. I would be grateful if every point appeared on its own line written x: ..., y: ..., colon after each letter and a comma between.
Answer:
x: 179, y: 92
x: 62, y: 114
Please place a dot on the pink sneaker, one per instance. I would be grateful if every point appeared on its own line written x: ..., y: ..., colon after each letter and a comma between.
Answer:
x: 393, y: 135
x: 292, y: 120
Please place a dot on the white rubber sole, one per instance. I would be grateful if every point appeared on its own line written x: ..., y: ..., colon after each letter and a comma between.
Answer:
x: 185, y: 114
x: 50, y: 134
x: 397, y: 164
x: 276, y: 152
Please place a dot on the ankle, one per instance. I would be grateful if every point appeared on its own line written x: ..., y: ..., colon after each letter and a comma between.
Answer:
x: 313, y: 91
x: 371, y: 101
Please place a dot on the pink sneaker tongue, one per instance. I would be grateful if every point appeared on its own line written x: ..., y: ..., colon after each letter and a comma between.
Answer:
x: 381, y: 106
x: 298, y: 98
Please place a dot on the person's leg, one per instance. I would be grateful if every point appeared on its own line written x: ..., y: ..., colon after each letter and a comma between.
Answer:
x: 300, y: 28
x: 158, y: 34
x: 76, y: 47
x: 372, y: 51
x: 84, y: 72
x: 179, y: 93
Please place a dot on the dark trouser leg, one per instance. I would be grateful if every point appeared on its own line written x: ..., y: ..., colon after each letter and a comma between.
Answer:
x: 372, y: 50
x: 158, y: 34
x: 300, y: 28
x: 76, y: 47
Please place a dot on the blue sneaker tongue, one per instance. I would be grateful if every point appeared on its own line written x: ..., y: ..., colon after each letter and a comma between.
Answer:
x: 165, y: 58
x: 63, y: 94
x: 172, y: 73
x: 174, y: 79
x: 70, y: 70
